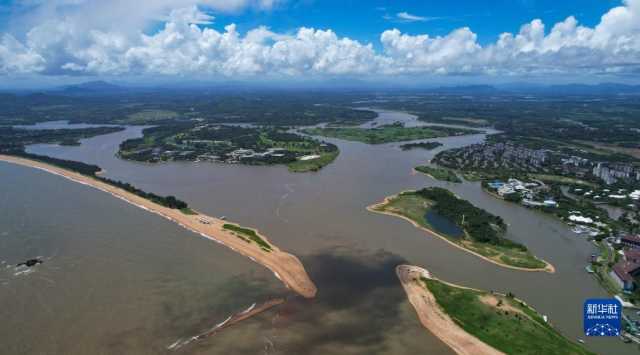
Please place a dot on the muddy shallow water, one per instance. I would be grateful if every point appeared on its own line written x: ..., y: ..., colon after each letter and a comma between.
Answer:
x: 119, y: 279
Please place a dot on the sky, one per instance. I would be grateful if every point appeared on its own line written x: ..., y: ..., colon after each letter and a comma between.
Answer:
x: 460, y: 41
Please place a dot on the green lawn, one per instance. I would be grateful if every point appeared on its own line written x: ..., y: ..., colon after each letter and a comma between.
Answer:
x: 303, y: 166
x: 384, y: 134
x: 188, y: 211
x: 248, y: 235
x: 442, y: 174
x: 512, y: 327
x: 147, y: 116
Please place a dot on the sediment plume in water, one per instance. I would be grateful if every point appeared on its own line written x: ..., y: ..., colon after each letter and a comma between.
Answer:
x: 251, y: 311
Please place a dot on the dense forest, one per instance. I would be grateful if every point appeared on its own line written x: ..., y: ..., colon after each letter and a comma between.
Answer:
x: 421, y: 145
x: 481, y: 225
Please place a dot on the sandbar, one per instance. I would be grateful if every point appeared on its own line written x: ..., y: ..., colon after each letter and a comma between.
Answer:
x: 285, y: 266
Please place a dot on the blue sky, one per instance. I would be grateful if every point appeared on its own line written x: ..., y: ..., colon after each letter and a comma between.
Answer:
x: 364, y: 20
x: 300, y: 40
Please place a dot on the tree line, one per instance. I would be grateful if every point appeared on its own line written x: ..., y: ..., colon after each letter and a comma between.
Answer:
x: 92, y: 170
x: 481, y: 225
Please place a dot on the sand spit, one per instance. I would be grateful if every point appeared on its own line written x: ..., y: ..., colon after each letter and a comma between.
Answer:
x: 285, y: 266
x: 433, y: 318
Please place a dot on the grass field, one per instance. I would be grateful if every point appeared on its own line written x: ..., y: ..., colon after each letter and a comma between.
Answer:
x: 303, y: 166
x: 501, y: 321
x: 442, y: 174
x: 249, y: 235
x: 148, y: 116
x: 415, y: 207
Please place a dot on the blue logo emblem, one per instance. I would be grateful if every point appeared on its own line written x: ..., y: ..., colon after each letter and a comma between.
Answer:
x: 602, y: 317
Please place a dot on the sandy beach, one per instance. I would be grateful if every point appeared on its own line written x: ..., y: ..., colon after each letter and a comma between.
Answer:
x: 285, y: 266
x: 433, y: 318
x: 374, y: 208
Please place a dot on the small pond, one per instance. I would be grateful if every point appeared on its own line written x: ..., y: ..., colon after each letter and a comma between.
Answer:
x: 443, y: 225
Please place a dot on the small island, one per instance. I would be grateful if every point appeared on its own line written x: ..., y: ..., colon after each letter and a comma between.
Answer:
x: 441, y: 213
x: 229, y: 144
x: 395, y: 132
x: 15, y: 139
x: 421, y: 145
x: 473, y: 321
x: 442, y: 174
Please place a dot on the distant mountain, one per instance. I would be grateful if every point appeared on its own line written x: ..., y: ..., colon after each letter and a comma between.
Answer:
x: 93, y: 87
x: 572, y: 89
x: 96, y: 88
x: 467, y: 89
x: 600, y: 89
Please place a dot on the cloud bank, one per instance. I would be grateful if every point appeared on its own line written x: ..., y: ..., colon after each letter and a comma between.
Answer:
x: 86, y: 37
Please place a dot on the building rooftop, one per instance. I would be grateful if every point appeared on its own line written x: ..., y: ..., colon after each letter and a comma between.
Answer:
x: 624, y: 269
x: 631, y: 238
x: 632, y: 255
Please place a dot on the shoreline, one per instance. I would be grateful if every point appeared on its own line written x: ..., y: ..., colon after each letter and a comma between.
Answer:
x: 434, y: 319
x: 372, y: 208
x: 286, y: 267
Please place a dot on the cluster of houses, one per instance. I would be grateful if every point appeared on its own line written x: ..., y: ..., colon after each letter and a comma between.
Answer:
x: 611, y: 173
x: 620, y: 194
x: 497, y: 155
x: 240, y: 154
x: 527, y: 190
x: 627, y: 270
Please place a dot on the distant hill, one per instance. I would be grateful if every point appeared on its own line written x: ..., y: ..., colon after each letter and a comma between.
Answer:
x: 92, y: 87
x: 572, y: 89
x: 96, y: 88
x: 600, y: 89
x: 467, y: 89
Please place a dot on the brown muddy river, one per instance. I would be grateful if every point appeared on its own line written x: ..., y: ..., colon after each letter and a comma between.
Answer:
x: 118, y: 280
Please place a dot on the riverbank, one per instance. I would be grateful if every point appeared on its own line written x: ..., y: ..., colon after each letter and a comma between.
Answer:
x: 473, y: 321
x: 284, y: 265
x: 438, y: 173
x: 433, y: 318
x: 495, y: 259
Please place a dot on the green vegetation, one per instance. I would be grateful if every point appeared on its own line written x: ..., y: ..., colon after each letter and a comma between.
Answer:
x: 229, y: 144
x: 188, y: 211
x: 503, y: 322
x: 442, y: 174
x: 483, y: 231
x: 385, y: 134
x: 166, y: 201
x: 168, y: 106
x: 76, y: 166
x: 302, y: 166
x: 421, y: 145
x: 16, y: 139
x: 248, y: 235
x: 149, y: 116
x: 92, y: 171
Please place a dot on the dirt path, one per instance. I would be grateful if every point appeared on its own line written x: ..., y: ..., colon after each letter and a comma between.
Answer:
x: 434, y: 319
x: 285, y: 266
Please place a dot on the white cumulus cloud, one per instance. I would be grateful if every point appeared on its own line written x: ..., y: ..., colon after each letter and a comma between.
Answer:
x: 74, y: 39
